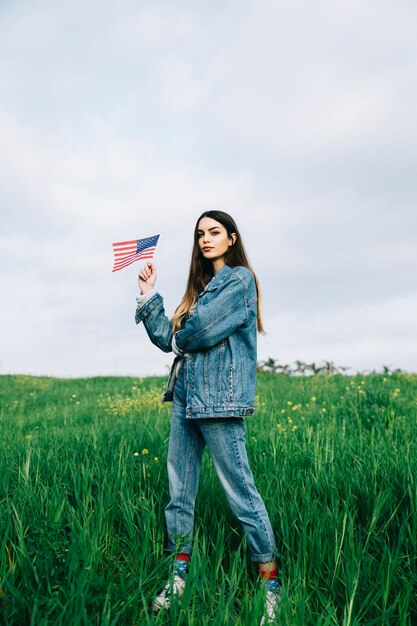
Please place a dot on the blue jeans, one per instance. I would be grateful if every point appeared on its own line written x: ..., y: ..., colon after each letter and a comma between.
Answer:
x: 225, y: 440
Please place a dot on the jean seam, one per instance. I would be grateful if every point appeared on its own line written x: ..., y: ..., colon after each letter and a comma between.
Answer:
x: 184, y: 490
x: 272, y: 549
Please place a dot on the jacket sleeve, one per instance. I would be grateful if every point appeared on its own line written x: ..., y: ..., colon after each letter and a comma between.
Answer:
x: 209, y: 324
x: 156, y: 323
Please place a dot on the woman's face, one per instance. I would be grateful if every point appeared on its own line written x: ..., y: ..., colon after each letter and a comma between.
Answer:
x: 213, y: 239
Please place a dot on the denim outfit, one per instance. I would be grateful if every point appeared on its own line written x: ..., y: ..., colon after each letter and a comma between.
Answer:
x: 218, y: 340
x: 214, y: 389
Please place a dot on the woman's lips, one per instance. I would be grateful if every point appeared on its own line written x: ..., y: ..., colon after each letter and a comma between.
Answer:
x: 207, y: 249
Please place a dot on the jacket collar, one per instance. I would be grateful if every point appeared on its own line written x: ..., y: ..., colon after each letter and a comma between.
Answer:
x: 221, y: 275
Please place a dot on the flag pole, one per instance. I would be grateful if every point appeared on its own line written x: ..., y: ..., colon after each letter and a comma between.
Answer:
x: 156, y: 248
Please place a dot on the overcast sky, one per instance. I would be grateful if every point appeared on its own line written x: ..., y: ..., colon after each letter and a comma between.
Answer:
x: 121, y: 120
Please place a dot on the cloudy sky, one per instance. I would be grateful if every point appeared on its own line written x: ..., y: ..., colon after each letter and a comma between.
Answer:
x: 120, y: 120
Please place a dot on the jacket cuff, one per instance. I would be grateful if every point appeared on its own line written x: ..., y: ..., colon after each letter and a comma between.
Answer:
x: 143, y: 310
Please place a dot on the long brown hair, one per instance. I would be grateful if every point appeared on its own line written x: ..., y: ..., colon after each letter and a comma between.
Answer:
x: 201, y: 269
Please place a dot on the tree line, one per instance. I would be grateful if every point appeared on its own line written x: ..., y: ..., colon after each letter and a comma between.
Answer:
x: 324, y: 368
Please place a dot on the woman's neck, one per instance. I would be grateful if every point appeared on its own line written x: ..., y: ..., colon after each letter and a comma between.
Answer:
x: 217, y: 266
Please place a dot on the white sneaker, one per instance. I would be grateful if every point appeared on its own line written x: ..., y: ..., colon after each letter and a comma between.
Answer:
x: 272, y: 602
x: 175, y: 585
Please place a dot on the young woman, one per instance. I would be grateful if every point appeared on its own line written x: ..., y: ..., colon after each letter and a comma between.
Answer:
x: 212, y: 386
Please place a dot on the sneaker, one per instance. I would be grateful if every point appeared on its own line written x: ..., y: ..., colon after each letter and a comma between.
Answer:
x: 272, y: 602
x: 175, y: 585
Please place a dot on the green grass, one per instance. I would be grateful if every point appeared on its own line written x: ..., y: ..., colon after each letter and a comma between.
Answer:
x: 83, y: 487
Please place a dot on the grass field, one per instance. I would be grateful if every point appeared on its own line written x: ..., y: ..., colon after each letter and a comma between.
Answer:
x: 83, y: 487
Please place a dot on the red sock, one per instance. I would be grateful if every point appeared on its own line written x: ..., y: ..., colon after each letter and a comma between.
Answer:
x: 183, y: 557
x: 271, y: 576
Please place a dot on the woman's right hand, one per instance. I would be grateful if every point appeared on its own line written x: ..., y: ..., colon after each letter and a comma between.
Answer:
x: 147, y: 278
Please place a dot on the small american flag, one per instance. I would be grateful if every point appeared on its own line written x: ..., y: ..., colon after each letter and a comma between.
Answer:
x: 126, y: 252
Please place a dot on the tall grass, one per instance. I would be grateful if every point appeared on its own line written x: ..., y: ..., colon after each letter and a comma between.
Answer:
x: 83, y: 487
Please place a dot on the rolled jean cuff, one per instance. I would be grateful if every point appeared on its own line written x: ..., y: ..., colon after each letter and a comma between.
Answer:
x: 184, y: 545
x: 182, y: 550
x: 264, y: 558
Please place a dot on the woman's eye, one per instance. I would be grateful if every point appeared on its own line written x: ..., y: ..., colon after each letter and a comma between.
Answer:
x: 214, y: 232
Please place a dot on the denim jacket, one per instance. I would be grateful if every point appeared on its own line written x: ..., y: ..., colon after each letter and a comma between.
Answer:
x: 217, y: 343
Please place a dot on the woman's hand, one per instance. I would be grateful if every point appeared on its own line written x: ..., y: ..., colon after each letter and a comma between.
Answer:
x: 147, y: 278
